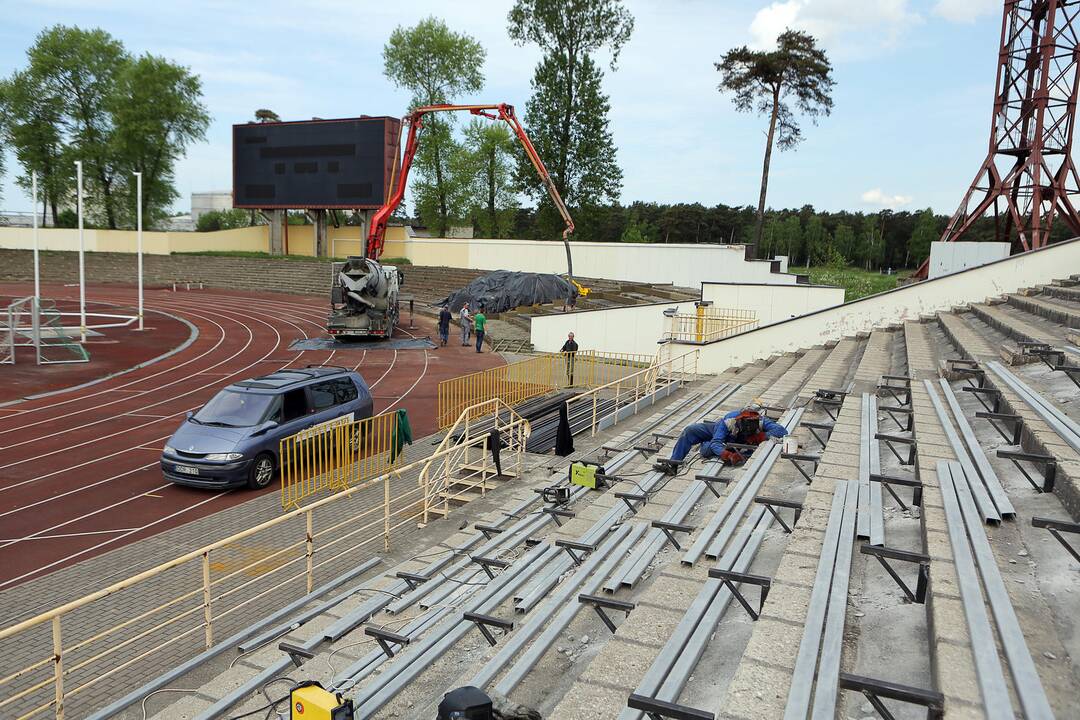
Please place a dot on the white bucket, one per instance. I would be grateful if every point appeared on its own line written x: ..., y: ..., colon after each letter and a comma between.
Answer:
x: 791, y: 445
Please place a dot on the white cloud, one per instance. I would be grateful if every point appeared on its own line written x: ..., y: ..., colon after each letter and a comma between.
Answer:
x: 965, y: 11
x: 881, y: 199
x: 849, y: 29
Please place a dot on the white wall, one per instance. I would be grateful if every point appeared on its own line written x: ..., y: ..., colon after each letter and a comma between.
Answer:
x: 635, y: 329
x: 950, y: 257
x: 682, y: 265
x: 773, y: 303
x: 906, y: 303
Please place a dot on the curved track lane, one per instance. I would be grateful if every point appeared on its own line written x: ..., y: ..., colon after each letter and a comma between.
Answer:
x: 79, y: 469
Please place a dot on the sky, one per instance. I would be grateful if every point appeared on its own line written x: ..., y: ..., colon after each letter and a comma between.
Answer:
x: 909, y: 129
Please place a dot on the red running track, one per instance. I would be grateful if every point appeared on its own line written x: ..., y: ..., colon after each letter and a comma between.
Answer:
x: 79, y: 470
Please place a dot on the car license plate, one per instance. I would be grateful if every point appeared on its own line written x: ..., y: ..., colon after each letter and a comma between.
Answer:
x: 186, y: 469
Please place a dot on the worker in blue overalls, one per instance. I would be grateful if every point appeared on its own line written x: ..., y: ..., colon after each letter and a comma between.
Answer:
x: 746, y: 427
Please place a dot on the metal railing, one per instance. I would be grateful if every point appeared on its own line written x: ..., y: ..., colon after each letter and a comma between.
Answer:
x: 526, y: 379
x: 336, y: 455
x: 709, y: 324
x: 183, y: 606
x: 664, y: 370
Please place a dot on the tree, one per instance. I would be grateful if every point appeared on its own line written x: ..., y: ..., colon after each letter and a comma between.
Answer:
x: 567, y: 113
x: 222, y: 220
x: 83, y: 97
x: 157, y: 113
x: 796, y: 76
x: 816, y: 239
x: 492, y: 149
x: 926, y: 232
x: 263, y: 115
x: 436, y: 65
x: 845, y: 242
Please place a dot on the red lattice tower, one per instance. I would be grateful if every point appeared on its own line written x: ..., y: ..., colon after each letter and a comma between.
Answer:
x: 1028, y: 177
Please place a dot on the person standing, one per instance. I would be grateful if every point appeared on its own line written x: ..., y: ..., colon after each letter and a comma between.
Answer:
x: 569, y: 351
x: 444, y: 325
x: 479, y: 323
x: 466, y: 324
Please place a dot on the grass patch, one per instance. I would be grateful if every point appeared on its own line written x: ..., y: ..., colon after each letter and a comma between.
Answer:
x: 857, y: 283
x: 291, y: 258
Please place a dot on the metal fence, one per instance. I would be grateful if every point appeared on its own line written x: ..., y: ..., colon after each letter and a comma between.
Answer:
x: 36, y: 323
x: 709, y: 324
x: 664, y: 370
x: 336, y: 455
x: 525, y: 379
x: 124, y: 633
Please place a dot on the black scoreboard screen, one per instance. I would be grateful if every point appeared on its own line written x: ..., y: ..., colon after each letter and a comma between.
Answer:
x: 314, y: 164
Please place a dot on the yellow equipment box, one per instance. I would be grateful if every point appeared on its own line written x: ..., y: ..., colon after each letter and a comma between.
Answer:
x: 583, y: 475
x: 312, y: 702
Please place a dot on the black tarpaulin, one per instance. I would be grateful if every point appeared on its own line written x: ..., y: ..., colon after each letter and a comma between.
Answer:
x: 504, y: 290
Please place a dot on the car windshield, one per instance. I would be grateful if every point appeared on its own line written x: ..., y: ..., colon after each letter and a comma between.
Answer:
x: 235, y: 409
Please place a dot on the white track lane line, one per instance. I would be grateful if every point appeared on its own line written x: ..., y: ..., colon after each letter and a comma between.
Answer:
x: 68, y: 535
x: 160, y: 402
x: 385, y: 372
x: 72, y: 556
x: 411, y: 387
x: 192, y: 308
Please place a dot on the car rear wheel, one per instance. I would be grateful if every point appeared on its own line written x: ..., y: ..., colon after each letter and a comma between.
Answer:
x: 261, y: 472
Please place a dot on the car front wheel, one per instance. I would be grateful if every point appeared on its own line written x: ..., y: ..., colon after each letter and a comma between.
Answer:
x: 261, y: 472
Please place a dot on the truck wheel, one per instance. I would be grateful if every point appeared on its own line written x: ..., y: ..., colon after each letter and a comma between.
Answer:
x: 261, y: 472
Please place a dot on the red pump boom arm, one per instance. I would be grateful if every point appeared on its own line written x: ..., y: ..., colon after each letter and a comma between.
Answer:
x: 415, y: 121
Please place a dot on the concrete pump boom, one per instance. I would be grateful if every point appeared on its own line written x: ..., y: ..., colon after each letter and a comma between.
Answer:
x: 502, y: 111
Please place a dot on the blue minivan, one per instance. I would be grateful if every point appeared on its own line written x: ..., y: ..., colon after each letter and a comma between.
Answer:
x: 233, y: 439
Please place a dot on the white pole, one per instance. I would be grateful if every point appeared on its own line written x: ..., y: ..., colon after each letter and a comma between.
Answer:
x: 37, y: 272
x: 138, y: 215
x: 82, y: 250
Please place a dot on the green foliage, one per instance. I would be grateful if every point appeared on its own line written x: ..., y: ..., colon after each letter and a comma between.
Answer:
x: 263, y: 115
x: 846, y: 245
x: 436, y: 65
x: 817, y: 244
x: 491, y: 150
x: 796, y: 77
x: 84, y: 97
x: 857, y: 283
x: 567, y: 113
x: 222, y: 220
x: 633, y: 233
x: 66, y: 218
x: 926, y: 231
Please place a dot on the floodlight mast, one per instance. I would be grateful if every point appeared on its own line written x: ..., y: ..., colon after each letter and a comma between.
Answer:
x: 415, y: 121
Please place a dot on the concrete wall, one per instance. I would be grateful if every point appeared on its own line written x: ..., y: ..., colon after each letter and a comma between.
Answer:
x: 626, y: 330
x: 773, y: 303
x: 973, y: 285
x: 950, y: 257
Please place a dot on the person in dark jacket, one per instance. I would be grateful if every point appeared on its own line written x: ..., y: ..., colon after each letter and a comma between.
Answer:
x: 743, y: 427
x: 569, y: 350
x: 444, y: 325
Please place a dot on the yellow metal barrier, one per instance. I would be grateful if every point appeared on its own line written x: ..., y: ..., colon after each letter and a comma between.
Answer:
x: 336, y: 455
x: 709, y: 324
x: 664, y: 370
x: 122, y: 633
x: 526, y: 379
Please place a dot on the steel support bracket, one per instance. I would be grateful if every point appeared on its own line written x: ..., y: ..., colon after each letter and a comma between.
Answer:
x: 571, y: 545
x: 656, y: 709
x: 796, y: 458
x: 730, y: 577
x: 1046, y: 462
x: 384, y: 637
x: 483, y: 622
x: 874, y: 690
x: 771, y: 504
x: 906, y: 412
x: 555, y: 514
x: 900, y: 393
x: 1055, y: 528
x: 671, y: 528
x: 413, y: 580
x: 296, y: 653
x: 630, y: 498
x: 487, y: 563
x: 600, y: 604
x: 887, y: 481
x: 995, y: 417
x: 488, y: 530
x: 814, y: 427
x: 899, y: 440
x: 711, y: 481
x: 981, y: 392
x: 884, y: 554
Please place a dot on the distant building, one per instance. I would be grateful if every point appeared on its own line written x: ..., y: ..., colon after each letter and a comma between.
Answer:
x: 205, y: 202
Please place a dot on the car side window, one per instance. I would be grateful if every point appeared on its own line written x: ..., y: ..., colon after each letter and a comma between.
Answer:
x: 344, y: 391
x: 294, y: 404
x: 322, y: 395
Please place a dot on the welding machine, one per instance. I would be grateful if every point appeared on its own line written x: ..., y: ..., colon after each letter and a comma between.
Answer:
x: 587, y: 474
x: 310, y: 701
